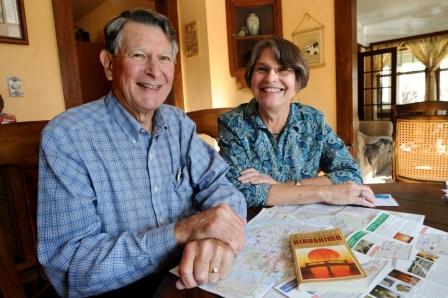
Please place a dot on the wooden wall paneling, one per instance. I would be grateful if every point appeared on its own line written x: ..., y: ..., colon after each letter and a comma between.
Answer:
x: 91, y: 72
x: 169, y: 8
x: 68, y: 59
x: 346, y: 70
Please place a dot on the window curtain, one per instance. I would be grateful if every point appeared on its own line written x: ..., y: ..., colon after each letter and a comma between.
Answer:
x: 430, y: 51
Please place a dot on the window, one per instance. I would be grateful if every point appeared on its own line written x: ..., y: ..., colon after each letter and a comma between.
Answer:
x: 394, y: 76
x: 377, y: 88
x: 443, y: 80
x: 410, y: 78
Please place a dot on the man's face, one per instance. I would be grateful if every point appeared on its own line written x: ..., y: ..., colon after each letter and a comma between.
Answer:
x: 142, y: 71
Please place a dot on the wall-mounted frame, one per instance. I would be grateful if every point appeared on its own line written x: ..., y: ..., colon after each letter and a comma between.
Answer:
x: 13, y: 22
x: 191, y: 39
x: 311, y: 44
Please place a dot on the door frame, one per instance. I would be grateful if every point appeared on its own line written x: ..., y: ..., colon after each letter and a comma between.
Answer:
x: 346, y: 70
x: 68, y: 59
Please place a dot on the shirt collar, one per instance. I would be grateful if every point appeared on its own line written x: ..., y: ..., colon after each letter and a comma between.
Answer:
x: 294, y: 118
x: 127, y: 122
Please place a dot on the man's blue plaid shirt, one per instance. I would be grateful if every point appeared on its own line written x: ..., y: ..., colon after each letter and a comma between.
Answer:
x: 110, y: 193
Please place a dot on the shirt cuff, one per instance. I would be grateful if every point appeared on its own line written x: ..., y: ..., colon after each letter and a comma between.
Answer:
x: 162, y: 244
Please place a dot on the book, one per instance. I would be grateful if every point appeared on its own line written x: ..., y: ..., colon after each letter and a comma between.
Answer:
x: 323, y: 262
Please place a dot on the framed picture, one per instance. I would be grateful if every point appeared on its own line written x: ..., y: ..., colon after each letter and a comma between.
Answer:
x: 2, y: 19
x: 311, y: 44
x: 12, y: 22
x: 191, y: 39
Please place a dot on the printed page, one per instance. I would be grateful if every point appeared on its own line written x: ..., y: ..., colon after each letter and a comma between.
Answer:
x: 433, y: 243
x: 376, y: 269
x: 423, y: 276
x: 395, y: 227
x: 376, y: 245
x: 385, y: 199
x: 266, y: 259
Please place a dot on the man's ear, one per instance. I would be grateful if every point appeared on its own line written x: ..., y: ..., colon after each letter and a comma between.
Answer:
x: 106, y: 60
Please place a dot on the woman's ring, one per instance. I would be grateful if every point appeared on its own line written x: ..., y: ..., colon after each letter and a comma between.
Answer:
x: 214, y: 270
x: 361, y: 194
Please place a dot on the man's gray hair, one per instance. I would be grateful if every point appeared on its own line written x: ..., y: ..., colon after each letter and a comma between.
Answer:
x: 113, y: 31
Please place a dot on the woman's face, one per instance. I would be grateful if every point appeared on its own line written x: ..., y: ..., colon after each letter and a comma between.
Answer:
x: 272, y: 85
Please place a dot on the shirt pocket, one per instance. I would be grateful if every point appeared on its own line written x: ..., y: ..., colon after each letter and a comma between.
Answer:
x: 181, y: 180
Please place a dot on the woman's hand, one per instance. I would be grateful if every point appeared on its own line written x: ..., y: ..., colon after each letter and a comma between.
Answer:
x: 252, y: 176
x: 350, y: 193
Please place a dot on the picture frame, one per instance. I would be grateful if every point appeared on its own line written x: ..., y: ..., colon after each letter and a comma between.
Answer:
x: 311, y: 44
x: 191, y: 39
x: 13, y: 22
x: 2, y: 18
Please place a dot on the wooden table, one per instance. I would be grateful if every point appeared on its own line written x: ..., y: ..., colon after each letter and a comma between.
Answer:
x: 421, y: 198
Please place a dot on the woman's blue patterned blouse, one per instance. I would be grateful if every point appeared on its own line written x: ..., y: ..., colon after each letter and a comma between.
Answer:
x: 306, y: 146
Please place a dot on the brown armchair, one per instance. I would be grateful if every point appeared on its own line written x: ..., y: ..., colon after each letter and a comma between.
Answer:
x: 207, y: 120
x: 421, y: 142
x: 207, y: 123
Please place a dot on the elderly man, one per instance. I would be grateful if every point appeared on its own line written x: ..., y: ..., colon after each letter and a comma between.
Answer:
x: 126, y: 185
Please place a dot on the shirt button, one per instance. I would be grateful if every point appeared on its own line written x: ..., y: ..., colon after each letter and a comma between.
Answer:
x: 134, y: 141
x: 142, y: 130
x: 156, y: 189
x: 161, y: 221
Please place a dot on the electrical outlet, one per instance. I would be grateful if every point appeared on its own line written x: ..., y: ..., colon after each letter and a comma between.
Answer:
x: 15, y: 87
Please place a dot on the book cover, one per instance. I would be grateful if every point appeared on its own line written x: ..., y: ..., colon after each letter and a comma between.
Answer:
x: 324, y: 262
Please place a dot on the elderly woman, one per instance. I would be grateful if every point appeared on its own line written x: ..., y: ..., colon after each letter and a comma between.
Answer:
x: 276, y: 148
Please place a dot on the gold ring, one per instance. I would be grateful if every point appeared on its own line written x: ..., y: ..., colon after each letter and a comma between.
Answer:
x: 214, y: 270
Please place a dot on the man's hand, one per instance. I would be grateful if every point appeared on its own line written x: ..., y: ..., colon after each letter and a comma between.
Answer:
x: 204, y: 261
x: 220, y: 223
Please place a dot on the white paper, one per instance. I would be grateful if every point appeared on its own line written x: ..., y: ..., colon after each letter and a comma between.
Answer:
x: 266, y: 260
x: 382, y: 199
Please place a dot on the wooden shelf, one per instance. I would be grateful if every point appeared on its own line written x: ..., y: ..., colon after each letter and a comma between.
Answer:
x: 269, y: 13
x: 253, y: 37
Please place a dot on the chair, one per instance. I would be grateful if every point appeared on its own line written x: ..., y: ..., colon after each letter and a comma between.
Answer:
x: 420, y: 142
x: 19, y: 156
x: 207, y: 120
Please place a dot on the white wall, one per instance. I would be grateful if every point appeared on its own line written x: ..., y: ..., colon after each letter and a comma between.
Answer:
x: 37, y: 64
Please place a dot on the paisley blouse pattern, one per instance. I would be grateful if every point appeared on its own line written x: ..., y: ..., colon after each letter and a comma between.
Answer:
x: 306, y: 146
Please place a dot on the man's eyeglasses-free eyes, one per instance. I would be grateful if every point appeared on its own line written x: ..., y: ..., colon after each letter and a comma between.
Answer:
x: 143, y: 58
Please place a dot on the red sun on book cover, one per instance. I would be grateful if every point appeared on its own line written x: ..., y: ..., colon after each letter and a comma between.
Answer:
x: 327, y: 262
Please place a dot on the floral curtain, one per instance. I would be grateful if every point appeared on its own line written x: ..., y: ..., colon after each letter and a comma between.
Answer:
x: 430, y: 51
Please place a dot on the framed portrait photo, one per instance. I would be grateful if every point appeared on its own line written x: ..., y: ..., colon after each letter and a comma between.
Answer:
x: 12, y: 22
x: 311, y: 44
